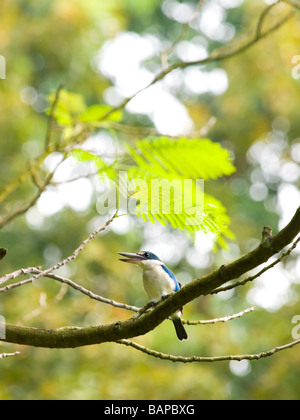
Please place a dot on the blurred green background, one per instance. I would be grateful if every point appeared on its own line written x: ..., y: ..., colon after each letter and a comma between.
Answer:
x: 106, y: 51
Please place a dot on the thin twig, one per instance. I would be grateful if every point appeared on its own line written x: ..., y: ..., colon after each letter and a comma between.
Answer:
x: 263, y: 18
x: 191, y: 359
x: 148, y: 131
x: 17, y: 273
x: 91, y: 294
x: 43, y: 273
x: 76, y: 252
x: 41, y: 186
x: 4, y: 355
x: 51, y: 119
x: 47, y: 273
x: 219, y: 54
x: 251, y: 278
x: 217, y: 320
x: 81, y: 289
x: 185, y: 29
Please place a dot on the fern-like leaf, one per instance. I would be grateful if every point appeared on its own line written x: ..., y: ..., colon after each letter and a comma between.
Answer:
x: 162, y: 169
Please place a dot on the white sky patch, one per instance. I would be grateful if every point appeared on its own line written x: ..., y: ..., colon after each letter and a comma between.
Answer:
x: 190, y: 51
x: 230, y: 4
x: 52, y: 161
x: 167, y: 112
x: 258, y: 191
x: 34, y: 218
x: 49, y: 203
x: 218, y: 81
x: 269, y: 2
x: 102, y: 144
x: 288, y: 202
x: 240, y: 368
x: 155, y: 239
x: 121, y: 60
x: 77, y: 194
x: 171, y: 117
x: 211, y: 21
x: 199, y: 256
x: 272, y: 290
x: 122, y: 225
x: 181, y: 12
x: 290, y: 172
x: 273, y: 167
x: 196, y: 81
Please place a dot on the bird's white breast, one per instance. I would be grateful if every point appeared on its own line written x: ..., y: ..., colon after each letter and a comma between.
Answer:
x: 157, y: 282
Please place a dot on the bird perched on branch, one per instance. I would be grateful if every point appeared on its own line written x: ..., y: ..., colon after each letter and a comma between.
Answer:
x: 159, y: 281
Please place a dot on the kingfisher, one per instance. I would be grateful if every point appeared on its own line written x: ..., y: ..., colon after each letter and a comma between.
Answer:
x: 159, y: 281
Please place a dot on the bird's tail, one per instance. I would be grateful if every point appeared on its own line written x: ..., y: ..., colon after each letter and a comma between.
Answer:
x: 180, y: 330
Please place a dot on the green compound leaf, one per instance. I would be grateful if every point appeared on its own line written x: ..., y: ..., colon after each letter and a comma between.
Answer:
x: 163, y: 181
x: 190, y: 158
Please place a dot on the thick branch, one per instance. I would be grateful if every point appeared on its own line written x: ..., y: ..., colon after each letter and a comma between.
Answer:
x: 144, y: 322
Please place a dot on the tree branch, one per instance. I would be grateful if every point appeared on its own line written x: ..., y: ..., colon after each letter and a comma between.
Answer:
x: 147, y: 321
x: 217, y: 320
x: 4, y: 355
x: 41, y: 187
x: 43, y: 273
x: 183, y: 359
x: 251, y: 278
x: 51, y: 119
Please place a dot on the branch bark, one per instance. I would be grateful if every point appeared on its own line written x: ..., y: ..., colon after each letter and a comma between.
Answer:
x: 183, y: 359
x: 143, y: 322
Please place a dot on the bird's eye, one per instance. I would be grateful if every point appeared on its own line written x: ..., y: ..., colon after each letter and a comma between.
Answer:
x: 147, y: 255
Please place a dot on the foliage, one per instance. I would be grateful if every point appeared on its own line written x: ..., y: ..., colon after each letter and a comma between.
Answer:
x: 171, y: 200
x: 172, y: 163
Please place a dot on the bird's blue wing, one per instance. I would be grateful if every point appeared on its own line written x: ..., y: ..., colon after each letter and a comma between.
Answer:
x: 172, y: 275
